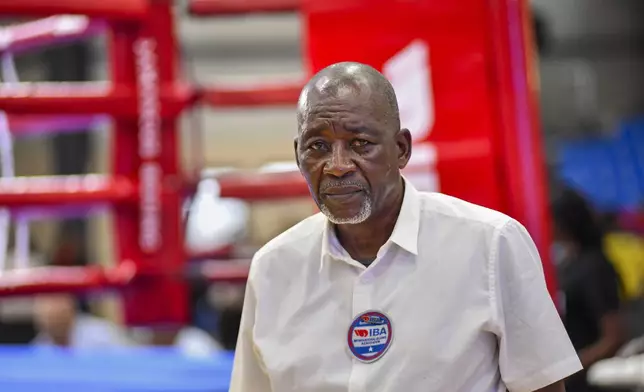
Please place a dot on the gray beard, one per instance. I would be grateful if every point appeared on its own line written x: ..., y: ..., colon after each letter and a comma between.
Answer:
x: 365, y: 212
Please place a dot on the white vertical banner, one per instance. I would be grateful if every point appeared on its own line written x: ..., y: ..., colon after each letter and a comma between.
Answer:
x: 409, y: 72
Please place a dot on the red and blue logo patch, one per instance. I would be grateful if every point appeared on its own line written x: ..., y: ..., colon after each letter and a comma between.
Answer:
x: 370, y: 336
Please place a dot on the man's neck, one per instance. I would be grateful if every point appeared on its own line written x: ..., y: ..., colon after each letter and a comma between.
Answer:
x: 363, y: 241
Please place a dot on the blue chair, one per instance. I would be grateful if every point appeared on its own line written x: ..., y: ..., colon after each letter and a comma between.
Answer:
x: 632, y: 133
x: 588, y: 166
x: 608, y: 171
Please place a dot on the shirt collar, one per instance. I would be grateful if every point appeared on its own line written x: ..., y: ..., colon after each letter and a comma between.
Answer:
x: 405, y: 233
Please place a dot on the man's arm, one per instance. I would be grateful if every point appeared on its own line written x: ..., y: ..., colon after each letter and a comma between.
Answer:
x: 601, y: 295
x: 608, y: 344
x: 535, y: 352
x: 248, y: 373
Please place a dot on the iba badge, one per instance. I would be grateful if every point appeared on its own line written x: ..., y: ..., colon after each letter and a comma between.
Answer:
x: 370, y: 336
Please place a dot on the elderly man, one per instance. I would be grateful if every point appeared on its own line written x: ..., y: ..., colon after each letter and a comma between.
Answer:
x: 389, y: 289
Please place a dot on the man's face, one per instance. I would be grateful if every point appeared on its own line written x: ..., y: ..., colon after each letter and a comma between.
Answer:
x: 349, y: 156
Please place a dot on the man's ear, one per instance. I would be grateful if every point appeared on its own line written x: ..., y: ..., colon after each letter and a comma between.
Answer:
x: 295, y: 146
x: 403, y: 141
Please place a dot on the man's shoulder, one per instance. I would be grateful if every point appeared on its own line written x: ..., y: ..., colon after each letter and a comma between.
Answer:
x: 451, y: 209
x: 301, y: 236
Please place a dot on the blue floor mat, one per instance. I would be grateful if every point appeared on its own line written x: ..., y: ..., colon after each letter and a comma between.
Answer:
x: 27, y: 369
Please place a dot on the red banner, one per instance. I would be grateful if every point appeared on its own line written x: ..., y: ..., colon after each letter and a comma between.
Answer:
x: 462, y: 76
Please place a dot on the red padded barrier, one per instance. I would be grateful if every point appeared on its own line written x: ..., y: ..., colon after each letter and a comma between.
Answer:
x: 117, y: 100
x: 109, y: 9
x: 250, y: 96
x: 234, y: 7
x: 20, y: 125
x: 49, y: 31
x: 44, y: 280
x: 60, y: 190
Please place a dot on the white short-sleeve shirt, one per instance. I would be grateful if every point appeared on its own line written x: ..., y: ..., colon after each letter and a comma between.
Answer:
x: 462, y: 285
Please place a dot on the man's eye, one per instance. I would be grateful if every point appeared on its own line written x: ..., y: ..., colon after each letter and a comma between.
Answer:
x: 359, y: 143
x: 317, y: 145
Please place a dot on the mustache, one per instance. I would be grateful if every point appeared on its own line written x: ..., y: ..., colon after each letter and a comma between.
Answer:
x: 342, y: 183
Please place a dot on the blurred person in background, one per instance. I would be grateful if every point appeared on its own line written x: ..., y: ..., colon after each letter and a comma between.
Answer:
x: 17, y: 313
x: 60, y: 323
x: 632, y: 220
x: 193, y: 341
x: 589, y: 286
x: 197, y: 338
x: 625, y: 250
x: 188, y: 340
x: 229, y: 322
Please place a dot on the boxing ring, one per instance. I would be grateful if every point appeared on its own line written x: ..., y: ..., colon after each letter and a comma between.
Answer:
x: 146, y: 187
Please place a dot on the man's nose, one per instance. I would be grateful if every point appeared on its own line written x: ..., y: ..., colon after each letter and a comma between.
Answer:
x: 339, y: 162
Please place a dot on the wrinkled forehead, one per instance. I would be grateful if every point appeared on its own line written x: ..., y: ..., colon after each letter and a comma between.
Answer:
x: 341, y: 103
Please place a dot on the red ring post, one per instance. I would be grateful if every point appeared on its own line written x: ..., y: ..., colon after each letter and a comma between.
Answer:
x: 146, y: 149
x: 144, y: 100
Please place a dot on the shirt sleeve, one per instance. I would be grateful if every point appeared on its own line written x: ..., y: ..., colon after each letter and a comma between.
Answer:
x: 248, y: 374
x: 534, y: 348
